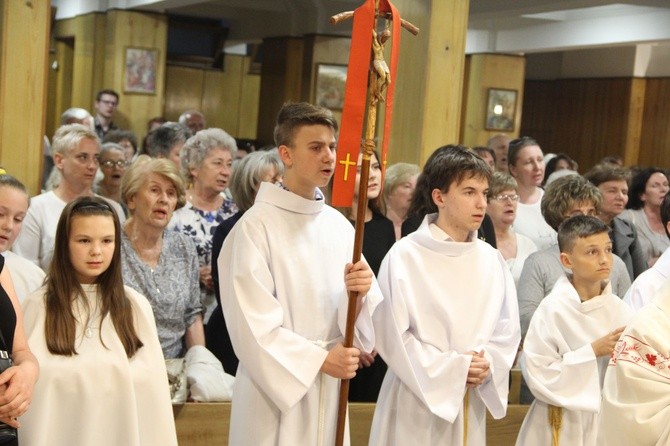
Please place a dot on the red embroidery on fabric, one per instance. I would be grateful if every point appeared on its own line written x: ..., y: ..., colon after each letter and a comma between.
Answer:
x: 633, y: 350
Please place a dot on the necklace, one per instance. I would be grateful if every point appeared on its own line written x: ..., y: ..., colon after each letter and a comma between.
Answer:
x: 88, y: 332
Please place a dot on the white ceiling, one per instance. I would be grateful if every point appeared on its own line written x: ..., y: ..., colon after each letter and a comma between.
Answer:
x: 495, y: 26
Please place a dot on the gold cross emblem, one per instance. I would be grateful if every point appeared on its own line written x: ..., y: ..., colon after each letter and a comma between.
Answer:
x: 347, y: 164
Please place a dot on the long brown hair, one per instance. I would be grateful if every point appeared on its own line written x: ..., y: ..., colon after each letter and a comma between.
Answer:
x: 63, y: 288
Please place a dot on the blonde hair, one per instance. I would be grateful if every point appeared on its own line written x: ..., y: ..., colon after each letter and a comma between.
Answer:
x: 67, y: 137
x: 135, y: 177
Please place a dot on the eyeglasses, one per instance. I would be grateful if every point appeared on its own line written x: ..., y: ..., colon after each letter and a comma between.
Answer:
x: 112, y: 103
x: 109, y: 164
x: 506, y: 197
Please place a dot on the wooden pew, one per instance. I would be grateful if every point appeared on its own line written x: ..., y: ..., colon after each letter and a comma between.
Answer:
x: 207, y: 424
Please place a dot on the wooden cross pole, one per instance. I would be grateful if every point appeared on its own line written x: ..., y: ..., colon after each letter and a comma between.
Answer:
x: 379, y: 78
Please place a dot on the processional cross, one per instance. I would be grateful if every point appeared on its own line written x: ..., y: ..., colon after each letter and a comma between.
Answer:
x: 370, y: 81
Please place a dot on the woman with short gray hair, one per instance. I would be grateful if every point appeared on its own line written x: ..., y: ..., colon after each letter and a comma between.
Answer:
x: 250, y: 172
x: 206, y: 161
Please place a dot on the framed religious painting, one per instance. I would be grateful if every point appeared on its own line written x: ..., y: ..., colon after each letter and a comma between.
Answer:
x: 500, y: 110
x: 329, y: 86
x: 140, y: 70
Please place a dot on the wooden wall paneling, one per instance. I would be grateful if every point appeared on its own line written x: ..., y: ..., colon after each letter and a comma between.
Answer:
x: 59, y: 90
x: 24, y: 31
x: 183, y: 90
x: 487, y: 71
x: 655, y: 135
x: 281, y: 81
x: 247, y: 113
x: 138, y: 30
x: 591, y: 121
x: 591, y: 118
x: 633, y: 130
x: 88, y: 65
x: 539, y: 111
x: 221, y: 95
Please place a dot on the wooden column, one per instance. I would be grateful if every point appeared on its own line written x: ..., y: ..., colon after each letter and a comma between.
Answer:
x: 24, y: 45
x: 281, y: 81
x: 634, y: 123
x: 428, y: 97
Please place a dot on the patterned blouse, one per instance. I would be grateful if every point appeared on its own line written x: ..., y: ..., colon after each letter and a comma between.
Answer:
x: 200, y: 226
x: 171, y: 287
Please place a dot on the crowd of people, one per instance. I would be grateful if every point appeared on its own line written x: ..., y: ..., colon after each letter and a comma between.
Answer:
x: 193, y: 245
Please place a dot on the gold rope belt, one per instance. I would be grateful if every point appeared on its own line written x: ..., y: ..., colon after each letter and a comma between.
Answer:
x: 555, y: 415
x: 466, y: 411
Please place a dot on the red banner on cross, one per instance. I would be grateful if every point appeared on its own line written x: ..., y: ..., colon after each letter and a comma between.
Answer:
x: 355, y: 98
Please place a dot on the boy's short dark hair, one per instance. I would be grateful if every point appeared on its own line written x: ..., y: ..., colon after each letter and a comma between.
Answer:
x: 297, y: 114
x: 580, y: 226
x: 106, y: 91
x: 447, y: 165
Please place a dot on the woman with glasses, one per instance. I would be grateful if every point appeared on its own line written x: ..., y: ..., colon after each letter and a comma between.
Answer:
x: 112, y: 164
x: 75, y: 149
x: 502, y: 204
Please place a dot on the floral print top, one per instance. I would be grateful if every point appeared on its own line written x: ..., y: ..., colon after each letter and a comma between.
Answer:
x: 200, y: 226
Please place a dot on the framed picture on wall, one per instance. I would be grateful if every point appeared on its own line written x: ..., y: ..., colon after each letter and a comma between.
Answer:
x: 329, y: 86
x: 140, y: 70
x: 500, y: 109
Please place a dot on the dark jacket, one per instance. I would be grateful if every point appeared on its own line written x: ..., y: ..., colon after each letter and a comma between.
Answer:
x: 626, y: 246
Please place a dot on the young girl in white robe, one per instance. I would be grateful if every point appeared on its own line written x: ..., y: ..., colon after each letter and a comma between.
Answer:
x: 103, y: 380
x: 570, y: 339
x: 448, y: 327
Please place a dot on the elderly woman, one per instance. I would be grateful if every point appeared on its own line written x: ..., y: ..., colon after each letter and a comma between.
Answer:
x: 113, y: 164
x: 167, y: 141
x: 645, y: 196
x: 75, y: 150
x: 125, y: 139
x: 502, y: 202
x: 399, y: 184
x: 526, y: 165
x: 161, y: 264
x: 206, y: 161
x: 613, y: 185
x: 252, y: 170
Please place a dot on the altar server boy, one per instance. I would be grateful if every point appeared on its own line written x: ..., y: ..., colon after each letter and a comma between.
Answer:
x: 449, y: 325
x: 570, y: 339
x: 284, y: 276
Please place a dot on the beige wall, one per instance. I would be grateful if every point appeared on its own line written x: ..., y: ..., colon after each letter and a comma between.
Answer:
x: 486, y: 71
x: 24, y: 40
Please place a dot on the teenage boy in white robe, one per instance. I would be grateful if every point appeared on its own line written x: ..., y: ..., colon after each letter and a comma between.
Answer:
x: 284, y: 276
x: 636, y: 393
x: 570, y: 339
x: 449, y: 325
